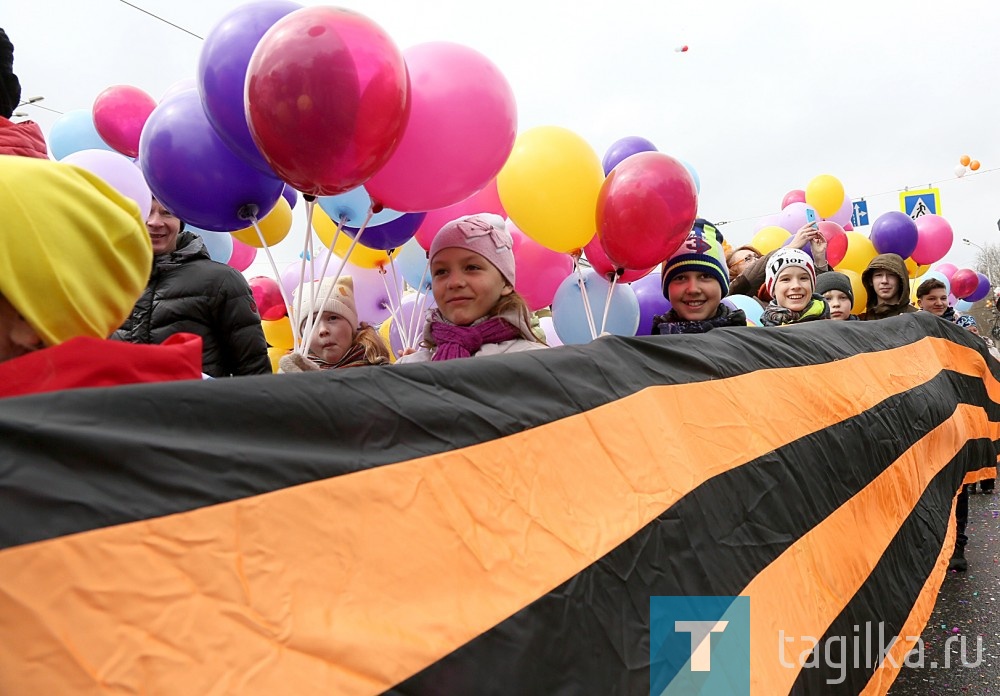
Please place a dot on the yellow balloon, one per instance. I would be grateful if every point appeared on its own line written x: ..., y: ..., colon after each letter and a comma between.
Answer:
x: 860, y: 294
x: 769, y: 238
x: 275, y: 226
x: 915, y: 270
x: 361, y: 255
x: 825, y: 193
x: 383, y: 332
x: 278, y: 333
x: 860, y: 252
x: 275, y: 354
x: 549, y: 187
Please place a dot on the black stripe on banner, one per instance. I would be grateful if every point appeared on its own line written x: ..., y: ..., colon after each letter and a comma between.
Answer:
x: 714, y: 541
x: 915, y: 547
x: 80, y: 460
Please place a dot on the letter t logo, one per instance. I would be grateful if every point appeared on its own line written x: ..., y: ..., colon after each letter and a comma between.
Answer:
x: 701, y: 644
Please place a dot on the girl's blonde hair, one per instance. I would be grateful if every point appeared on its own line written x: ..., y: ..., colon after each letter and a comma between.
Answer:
x: 505, y: 306
x: 376, y: 352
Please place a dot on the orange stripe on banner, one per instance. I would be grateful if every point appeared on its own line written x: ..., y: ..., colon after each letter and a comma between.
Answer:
x: 832, y: 571
x: 352, y: 584
x: 914, y: 625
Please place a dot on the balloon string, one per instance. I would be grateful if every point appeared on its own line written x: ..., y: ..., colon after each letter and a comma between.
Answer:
x: 395, y: 313
x: 340, y: 270
x: 306, y: 254
x: 586, y: 300
x: 418, y: 329
x: 607, y: 303
x: 398, y: 321
x: 311, y: 319
x: 274, y: 270
x: 414, y: 324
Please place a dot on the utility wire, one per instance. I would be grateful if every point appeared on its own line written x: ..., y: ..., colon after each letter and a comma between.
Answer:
x: 155, y: 16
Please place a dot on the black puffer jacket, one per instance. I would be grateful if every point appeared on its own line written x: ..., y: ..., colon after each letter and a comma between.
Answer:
x: 188, y: 292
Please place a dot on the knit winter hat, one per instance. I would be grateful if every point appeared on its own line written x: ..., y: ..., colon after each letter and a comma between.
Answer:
x: 484, y: 233
x: 702, y: 252
x: 782, y: 259
x: 832, y: 280
x: 966, y: 321
x: 10, y: 86
x: 74, y: 253
x: 341, y: 300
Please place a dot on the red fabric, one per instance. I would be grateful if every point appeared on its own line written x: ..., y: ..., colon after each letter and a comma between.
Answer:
x: 23, y: 139
x: 93, y: 362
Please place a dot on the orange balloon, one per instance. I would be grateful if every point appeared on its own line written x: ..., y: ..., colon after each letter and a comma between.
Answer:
x: 965, y: 159
x: 974, y: 165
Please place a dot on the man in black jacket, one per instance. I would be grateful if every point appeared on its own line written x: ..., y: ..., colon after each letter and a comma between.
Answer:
x: 188, y: 292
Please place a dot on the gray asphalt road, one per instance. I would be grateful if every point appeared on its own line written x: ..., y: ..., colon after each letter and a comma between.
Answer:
x: 968, y: 607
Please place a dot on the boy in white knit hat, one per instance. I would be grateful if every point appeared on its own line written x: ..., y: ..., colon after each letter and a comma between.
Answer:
x: 791, y: 283
x: 328, y: 320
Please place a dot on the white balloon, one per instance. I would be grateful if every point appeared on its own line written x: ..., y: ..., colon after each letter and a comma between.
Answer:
x: 960, y: 170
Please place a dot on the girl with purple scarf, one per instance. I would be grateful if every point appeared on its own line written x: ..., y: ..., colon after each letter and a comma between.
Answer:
x: 472, y: 277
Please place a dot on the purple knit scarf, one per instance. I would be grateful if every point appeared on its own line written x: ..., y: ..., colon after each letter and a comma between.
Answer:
x: 465, y: 341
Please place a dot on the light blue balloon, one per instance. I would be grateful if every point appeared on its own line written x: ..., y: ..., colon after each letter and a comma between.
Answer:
x: 352, y: 208
x: 218, y: 244
x: 569, y: 316
x: 694, y: 175
x: 963, y: 306
x: 749, y: 305
x: 74, y: 131
x: 412, y: 263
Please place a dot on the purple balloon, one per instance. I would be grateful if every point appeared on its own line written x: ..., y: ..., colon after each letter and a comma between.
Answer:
x: 290, y: 195
x: 222, y: 72
x: 981, y: 291
x: 194, y: 175
x: 625, y: 147
x: 894, y: 232
x: 389, y: 235
x: 648, y: 290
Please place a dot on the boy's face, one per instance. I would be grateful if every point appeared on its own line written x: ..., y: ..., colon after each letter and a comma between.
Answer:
x: 16, y: 335
x: 886, y: 285
x: 840, y: 304
x: 935, y: 302
x: 793, y: 288
x: 695, y: 296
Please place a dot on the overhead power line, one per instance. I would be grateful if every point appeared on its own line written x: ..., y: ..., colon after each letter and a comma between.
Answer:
x: 165, y: 21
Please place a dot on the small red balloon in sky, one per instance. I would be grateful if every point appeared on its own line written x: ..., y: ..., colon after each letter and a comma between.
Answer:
x: 681, y: 49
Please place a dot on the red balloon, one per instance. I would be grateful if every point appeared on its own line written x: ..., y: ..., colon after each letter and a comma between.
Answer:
x: 486, y: 201
x: 645, y: 209
x: 964, y: 283
x: 267, y: 295
x: 600, y: 262
x: 327, y: 98
x: 793, y: 196
x: 836, y: 241
x: 120, y: 112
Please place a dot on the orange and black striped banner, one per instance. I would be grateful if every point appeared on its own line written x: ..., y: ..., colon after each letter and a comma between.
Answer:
x: 489, y: 526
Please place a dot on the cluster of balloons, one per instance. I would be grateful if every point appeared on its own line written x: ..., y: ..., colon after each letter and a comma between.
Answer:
x: 963, y: 162
x: 964, y: 285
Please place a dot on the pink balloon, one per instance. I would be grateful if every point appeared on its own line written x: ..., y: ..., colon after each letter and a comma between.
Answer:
x: 836, y: 240
x: 119, y: 171
x: 934, y: 239
x: 243, y: 255
x: 599, y: 261
x: 485, y: 201
x: 843, y: 216
x: 267, y: 295
x: 540, y: 270
x: 461, y: 130
x: 793, y: 196
x: 120, y: 112
x: 947, y: 269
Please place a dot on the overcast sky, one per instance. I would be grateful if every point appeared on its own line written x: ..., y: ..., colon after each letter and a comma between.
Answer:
x: 883, y: 95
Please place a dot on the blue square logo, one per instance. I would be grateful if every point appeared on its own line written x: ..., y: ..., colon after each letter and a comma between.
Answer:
x: 699, y: 646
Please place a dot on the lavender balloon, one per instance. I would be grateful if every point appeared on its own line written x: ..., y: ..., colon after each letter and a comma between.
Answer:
x: 625, y: 147
x: 648, y: 290
x: 894, y: 233
x: 119, y: 171
x: 981, y: 291
x: 194, y: 175
x: 222, y: 72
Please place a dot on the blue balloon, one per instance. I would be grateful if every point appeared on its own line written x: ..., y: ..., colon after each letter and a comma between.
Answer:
x: 569, y: 315
x: 352, y: 206
x: 694, y: 175
x: 412, y: 263
x: 749, y: 305
x: 218, y: 244
x: 963, y: 306
x: 649, y: 292
x: 75, y: 131
x: 389, y: 235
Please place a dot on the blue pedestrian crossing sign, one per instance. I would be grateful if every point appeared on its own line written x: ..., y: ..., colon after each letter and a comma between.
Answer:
x: 859, y: 213
x: 919, y: 203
